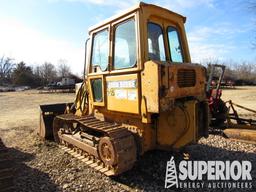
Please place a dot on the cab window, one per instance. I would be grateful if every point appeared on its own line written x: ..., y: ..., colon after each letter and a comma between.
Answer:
x: 97, y: 90
x: 125, y: 45
x: 100, y: 50
x: 174, y: 45
x: 156, y: 49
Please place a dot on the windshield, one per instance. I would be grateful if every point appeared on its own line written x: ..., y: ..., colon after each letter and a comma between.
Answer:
x: 156, y: 49
x: 156, y: 46
x: 174, y: 45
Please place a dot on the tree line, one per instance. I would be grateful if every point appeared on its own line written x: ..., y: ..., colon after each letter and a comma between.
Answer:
x: 243, y: 73
x: 21, y: 74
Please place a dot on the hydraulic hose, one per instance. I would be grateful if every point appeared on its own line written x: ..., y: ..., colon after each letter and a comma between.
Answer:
x: 81, y: 101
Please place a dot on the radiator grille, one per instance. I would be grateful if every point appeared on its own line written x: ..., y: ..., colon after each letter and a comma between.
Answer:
x: 186, y: 78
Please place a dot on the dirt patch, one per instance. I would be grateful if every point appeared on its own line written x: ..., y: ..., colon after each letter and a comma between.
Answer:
x: 22, y: 108
x: 245, y: 96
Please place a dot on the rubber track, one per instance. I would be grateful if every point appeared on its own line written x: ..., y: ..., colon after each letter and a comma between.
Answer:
x: 6, y: 170
x: 121, y: 138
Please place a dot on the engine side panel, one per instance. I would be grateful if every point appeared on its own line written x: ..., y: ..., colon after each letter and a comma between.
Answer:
x: 178, y: 126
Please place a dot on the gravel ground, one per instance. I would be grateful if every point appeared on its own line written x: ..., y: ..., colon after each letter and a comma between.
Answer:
x: 43, y: 166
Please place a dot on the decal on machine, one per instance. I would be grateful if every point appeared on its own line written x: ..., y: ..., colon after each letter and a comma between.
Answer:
x: 122, y: 84
x: 125, y: 94
x: 132, y: 95
x: 121, y: 94
x: 125, y: 89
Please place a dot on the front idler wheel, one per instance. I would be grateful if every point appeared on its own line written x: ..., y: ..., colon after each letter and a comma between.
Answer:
x: 107, y: 151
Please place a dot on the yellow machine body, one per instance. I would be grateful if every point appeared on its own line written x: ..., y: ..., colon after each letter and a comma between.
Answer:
x: 162, y: 102
x: 140, y: 92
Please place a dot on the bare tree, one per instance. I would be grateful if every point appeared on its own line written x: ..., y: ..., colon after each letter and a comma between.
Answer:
x: 37, y: 71
x: 63, y: 68
x: 47, y: 72
x: 245, y: 71
x: 6, y: 67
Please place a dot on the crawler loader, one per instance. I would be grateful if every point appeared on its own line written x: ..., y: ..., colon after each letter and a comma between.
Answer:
x: 140, y: 92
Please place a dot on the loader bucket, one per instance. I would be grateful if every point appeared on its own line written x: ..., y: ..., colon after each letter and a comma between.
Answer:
x: 47, y: 115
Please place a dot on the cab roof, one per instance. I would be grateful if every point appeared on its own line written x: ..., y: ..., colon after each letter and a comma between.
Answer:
x: 138, y: 6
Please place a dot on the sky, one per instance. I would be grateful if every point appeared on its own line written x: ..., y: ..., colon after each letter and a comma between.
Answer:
x: 38, y: 31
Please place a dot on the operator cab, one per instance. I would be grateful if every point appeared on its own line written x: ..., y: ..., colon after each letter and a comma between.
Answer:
x: 121, y: 47
x: 128, y: 40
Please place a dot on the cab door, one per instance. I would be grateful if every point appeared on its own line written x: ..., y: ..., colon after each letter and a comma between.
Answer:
x: 114, y: 68
x: 99, y: 65
x: 122, y: 83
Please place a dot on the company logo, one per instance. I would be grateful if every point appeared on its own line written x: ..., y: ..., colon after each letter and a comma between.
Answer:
x: 209, y: 174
